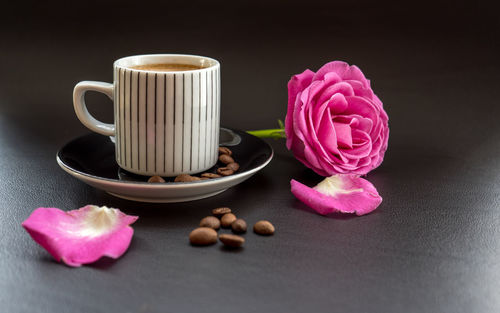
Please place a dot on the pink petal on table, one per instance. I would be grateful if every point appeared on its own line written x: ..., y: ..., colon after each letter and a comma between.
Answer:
x: 339, y: 193
x: 81, y: 236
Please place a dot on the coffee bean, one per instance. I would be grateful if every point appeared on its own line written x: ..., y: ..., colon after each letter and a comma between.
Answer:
x: 232, y: 241
x: 185, y: 178
x: 224, y: 171
x: 221, y: 211
x: 239, y: 226
x: 233, y: 166
x: 263, y: 228
x: 156, y: 179
x: 210, y: 175
x: 227, y: 220
x: 224, y: 150
x: 203, y: 236
x: 226, y: 159
x: 210, y: 221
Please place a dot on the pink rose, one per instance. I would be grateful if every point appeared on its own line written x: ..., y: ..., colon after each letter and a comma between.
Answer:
x: 335, y: 124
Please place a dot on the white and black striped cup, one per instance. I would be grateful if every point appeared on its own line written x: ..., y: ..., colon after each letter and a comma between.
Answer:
x: 165, y: 123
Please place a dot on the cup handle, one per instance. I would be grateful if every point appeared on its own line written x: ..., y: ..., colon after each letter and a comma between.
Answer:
x: 81, y: 108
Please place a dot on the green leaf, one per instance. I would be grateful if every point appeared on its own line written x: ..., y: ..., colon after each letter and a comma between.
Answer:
x: 268, y: 133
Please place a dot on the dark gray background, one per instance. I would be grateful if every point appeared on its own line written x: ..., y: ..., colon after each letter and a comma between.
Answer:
x: 432, y: 246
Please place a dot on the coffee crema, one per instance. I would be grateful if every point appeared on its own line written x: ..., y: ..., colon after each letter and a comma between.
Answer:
x: 167, y: 67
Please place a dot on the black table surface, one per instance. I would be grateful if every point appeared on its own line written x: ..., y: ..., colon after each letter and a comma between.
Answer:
x: 433, y: 245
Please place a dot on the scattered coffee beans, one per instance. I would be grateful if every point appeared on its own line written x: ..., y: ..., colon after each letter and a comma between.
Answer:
x: 156, y: 179
x: 224, y: 150
x: 203, y: 236
x: 206, y: 234
x: 210, y: 221
x: 232, y: 241
x: 185, y: 178
x: 263, y: 228
x: 239, y: 226
x: 233, y: 166
x: 210, y: 175
x: 226, y: 159
x: 221, y: 211
x: 224, y: 171
x: 227, y: 220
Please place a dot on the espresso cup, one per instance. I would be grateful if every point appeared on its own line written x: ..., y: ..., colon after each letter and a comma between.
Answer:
x: 166, y: 113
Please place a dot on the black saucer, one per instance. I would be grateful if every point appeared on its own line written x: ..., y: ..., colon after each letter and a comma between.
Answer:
x: 91, y: 158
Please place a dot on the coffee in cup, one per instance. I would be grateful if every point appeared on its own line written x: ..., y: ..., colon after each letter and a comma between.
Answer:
x: 167, y: 67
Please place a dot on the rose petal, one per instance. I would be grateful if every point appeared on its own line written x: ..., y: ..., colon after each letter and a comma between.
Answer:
x: 338, y: 103
x: 331, y: 78
x: 299, y: 121
x: 326, y: 134
x: 361, y: 91
x: 364, y: 161
x: 311, y: 157
x: 354, y: 73
x: 344, y: 135
x: 341, y: 88
x: 362, y: 145
x: 339, y: 193
x: 81, y: 236
x: 363, y: 107
x: 337, y: 67
x: 310, y: 133
x: 296, y: 84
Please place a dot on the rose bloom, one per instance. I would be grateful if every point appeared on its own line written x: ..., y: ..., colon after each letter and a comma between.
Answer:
x: 335, y: 124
